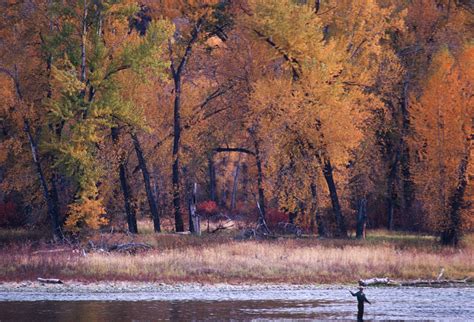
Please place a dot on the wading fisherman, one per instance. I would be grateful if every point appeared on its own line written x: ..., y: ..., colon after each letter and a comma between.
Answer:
x: 360, y: 303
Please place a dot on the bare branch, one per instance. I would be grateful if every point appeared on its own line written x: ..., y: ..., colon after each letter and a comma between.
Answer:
x: 240, y: 150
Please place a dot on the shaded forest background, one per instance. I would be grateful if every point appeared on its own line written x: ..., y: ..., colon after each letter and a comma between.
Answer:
x: 330, y: 115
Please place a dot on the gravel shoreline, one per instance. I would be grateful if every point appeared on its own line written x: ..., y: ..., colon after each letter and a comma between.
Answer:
x: 132, y: 287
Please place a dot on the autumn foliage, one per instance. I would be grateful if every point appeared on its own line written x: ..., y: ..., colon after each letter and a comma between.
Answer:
x: 331, y: 114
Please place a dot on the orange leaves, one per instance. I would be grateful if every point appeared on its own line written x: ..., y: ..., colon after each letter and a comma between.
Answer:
x: 86, y: 213
x: 442, y: 119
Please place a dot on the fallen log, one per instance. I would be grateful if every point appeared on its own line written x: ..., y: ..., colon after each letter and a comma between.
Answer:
x: 50, y: 280
x: 433, y: 282
x: 46, y: 251
x: 375, y: 281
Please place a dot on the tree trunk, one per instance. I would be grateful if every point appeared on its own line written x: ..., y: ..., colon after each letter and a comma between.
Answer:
x: 315, y: 210
x: 194, y: 218
x: 146, y: 179
x: 126, y: 190
x: 177, y: 72
x: 407, y: 183
x: 235, y: 185
x: 361, y: 218
x: 262, y: 222
x: 55, y: 198
x: 328, y: 175
x: 212, y: 178
x: 127, y: 197
x: 261, y: 192
x: 83, y: 42
x: 53, y: 214
x: 391, y: 191
x: 56, y: 228
x: 179, y: 225
x: 452, y: 232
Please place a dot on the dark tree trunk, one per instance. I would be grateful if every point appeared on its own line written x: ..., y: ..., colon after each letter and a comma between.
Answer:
x: 292, y: 217
x: 178, y: 217
x: 146, y: 179
x: 391, y: 191
x: 315, y: 210
x: 55, y: 198
x: 83, y: 42
x: 177, y: 72
x: 391, y: 212
x: 336, y: 207
x: 361, y: 218
x: 212, y: 178
x: 126, y: 190
x: 235, y: 185
x: 451, y: 234
x: 51, y: 206
x: 407, y: 184
x: 261, y: 192
x: 127, y: 197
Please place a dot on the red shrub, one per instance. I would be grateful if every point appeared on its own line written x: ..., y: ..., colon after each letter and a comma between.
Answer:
x: 275, y: 216
x: 207, y: 208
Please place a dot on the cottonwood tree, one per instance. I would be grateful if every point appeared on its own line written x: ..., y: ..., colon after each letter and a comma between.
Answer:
x: 327, y: 98
x: 87, y: 100
x: 442, y: 120
x: 429, y: 26
x: 27, y: 84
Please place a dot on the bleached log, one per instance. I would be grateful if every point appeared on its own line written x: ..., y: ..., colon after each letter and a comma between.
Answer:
x: 432, y: 282
x: 50, y: 280
x: 375, y: 281
x: 51, y: 251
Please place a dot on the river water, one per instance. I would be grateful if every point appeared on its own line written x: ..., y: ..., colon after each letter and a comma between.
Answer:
x: 421, y: 303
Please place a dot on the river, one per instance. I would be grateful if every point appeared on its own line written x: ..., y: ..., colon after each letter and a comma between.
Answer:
x: 248, y: 304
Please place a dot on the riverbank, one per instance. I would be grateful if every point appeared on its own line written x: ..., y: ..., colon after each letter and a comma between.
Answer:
x: 214, y: 259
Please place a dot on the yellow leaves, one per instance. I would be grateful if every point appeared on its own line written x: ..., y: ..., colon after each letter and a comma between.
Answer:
x: 295, y: 29
x: 189, y: 8
x: 65, y: 78
x: 88, y: 212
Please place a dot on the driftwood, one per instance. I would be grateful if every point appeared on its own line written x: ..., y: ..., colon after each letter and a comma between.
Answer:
x: 51, y: 251
x: 433, y: 282
x: 419, y: 282
x: 50, y: 280
x: 375, y: 281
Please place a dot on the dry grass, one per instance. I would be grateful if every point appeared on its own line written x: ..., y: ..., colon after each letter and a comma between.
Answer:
x: 218, y: 258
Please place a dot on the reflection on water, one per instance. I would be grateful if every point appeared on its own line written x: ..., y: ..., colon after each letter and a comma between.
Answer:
x: 314, y: 304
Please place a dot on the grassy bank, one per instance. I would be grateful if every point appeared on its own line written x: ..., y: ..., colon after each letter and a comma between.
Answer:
x: 219, y: 258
